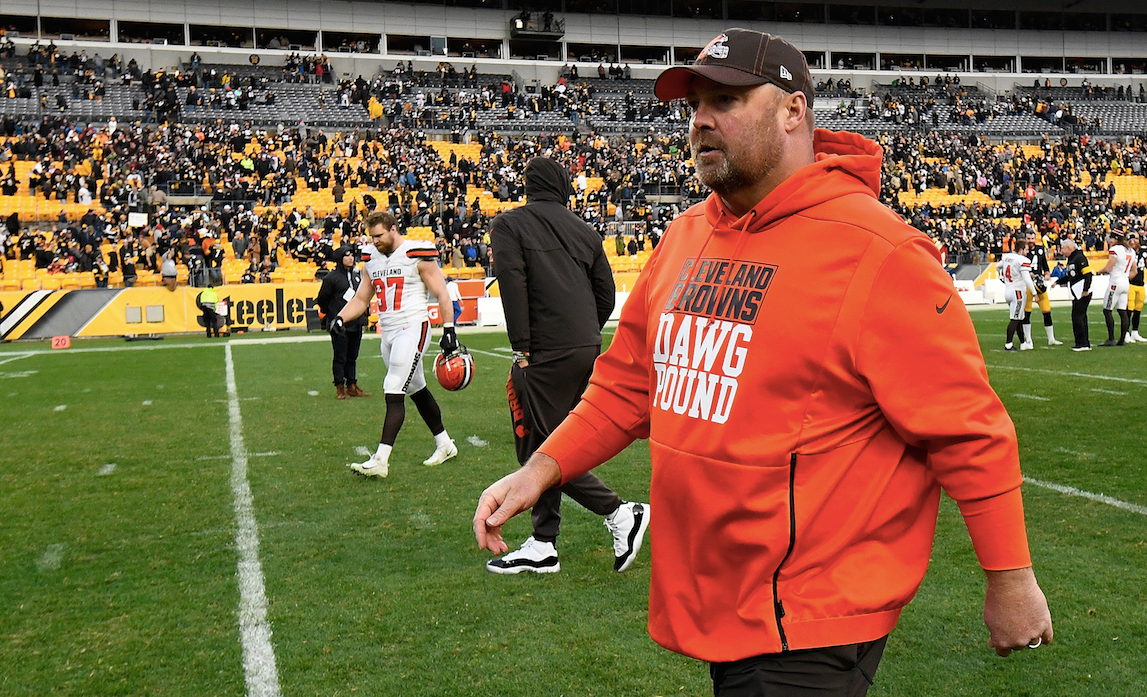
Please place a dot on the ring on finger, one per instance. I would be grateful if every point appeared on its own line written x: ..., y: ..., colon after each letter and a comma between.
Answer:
x: 1036, y: 643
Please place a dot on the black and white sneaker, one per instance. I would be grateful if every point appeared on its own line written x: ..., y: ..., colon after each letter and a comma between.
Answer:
x: 539, y: 557
x: 628, y: 524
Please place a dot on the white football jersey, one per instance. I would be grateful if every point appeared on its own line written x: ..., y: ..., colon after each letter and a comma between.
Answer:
x: 397, y: 285
x: 1124, y: 263
x: 1015, y: 271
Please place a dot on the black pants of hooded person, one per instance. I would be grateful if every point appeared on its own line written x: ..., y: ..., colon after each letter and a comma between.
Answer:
x: 345, y: 363
x: 541, y: 395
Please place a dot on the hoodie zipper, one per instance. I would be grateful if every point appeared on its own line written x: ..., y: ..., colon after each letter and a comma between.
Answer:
x: 778, y: 606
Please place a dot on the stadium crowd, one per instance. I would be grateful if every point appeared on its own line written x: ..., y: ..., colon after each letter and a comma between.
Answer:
x: 252, y: 175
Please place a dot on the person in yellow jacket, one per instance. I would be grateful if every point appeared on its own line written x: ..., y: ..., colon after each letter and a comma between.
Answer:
x: 207, y: 301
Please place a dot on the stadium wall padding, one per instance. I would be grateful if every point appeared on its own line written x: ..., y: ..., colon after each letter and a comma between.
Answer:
x: 151, y: 310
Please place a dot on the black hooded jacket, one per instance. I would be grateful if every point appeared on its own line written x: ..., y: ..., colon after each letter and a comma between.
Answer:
x: 556, y: 286
x: 337, y: 285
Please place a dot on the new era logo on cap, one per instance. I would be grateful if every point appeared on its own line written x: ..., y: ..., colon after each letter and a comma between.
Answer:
x: 741, y: 58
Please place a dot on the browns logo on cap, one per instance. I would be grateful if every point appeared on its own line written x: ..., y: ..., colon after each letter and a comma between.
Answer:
x: 741, y: 58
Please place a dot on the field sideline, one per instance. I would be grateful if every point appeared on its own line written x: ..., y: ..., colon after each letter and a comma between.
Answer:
x: 176, y: 518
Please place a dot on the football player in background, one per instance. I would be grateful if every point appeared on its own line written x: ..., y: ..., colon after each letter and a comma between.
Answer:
x: 1121, y: 263
x: 1040, y: 271
x: 1015, y: 271
x: 1135, y: 289
x: 400, y: 272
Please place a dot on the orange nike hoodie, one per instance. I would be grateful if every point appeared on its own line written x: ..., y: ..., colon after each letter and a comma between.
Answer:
x: 809, y: 380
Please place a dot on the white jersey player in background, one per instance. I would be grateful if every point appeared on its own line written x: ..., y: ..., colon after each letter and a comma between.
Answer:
x: 400, y: 272
x: 1015, y: 271
x: 1120, y: 267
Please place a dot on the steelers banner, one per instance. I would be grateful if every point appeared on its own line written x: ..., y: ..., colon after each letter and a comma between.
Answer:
x: 152, y: 310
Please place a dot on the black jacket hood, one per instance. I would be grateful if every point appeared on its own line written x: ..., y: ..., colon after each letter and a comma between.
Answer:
x: 546, y: 180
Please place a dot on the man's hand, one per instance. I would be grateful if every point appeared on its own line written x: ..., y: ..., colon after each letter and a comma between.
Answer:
x: 511, y: 495
x: 338, y: 327
x: 449, y: 341
x: 1015, y: 611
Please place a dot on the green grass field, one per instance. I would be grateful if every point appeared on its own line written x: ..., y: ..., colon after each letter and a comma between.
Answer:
x: 118, y: 555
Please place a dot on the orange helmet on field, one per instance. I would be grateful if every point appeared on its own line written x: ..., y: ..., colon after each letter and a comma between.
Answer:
x: 454, y: 371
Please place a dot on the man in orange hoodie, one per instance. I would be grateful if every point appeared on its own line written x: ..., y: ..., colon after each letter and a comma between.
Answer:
x: 800, y: 432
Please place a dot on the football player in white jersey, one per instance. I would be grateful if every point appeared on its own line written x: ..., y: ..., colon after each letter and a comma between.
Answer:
x: 400, y: 272
x: 1120, y: 266
x: 1015, y: 271
x: 1136, y: 295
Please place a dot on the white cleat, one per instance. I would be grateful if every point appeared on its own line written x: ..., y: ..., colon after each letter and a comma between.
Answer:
x: 370, y: 468
x: 1027, y: 346
x: 1054, y: 342
x: 441, y: 454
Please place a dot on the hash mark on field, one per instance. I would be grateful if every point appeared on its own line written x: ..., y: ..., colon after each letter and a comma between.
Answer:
x: 362, y: 450
x: 477, y: 442
x: 262, y: 676
x: 1034, y: 396
x: 313, y: 393
x: 1074, y: 452
x: 1134, y: 381
x: 1114, y: 392
x: 269, y: 453
x: 213, y: 457
x: 106, y: 470
x: 1101, y: 498
x: 420, y: 520
x: 51, y: 558
x: 147, y: 402
x: 20, y: 374
x: 61, y: 407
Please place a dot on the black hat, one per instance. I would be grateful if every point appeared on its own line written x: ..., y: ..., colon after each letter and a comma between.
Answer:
x: 345, y: 250
x: 741, y: 58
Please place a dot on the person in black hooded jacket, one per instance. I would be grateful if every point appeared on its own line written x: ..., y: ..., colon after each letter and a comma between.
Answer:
x: 557, y: 291
x: 338, y: 287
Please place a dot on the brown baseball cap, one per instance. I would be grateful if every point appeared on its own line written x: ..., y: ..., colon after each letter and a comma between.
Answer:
x: 741, y: 58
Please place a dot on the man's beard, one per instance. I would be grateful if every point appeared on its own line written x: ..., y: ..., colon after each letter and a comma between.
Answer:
x: 743, y: 169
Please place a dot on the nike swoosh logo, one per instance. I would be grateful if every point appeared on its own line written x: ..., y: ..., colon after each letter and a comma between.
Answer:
x: 940, y: 308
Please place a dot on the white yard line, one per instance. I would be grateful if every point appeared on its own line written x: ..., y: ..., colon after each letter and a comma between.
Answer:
x: 1134, y: 381
x: 1101, y: 498
x: 15, y: 357
x: 1036, y: 397
x: 254, y: 629
x: 491, y: 353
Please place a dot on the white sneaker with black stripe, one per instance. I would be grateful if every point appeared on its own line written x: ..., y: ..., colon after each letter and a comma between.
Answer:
x: 628, y: 525
x: 371, y: 468
x: 539, y: 557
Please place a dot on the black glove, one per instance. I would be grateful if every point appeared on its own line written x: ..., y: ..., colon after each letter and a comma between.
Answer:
x: 1040, y: 284
x: 338, y: 327
x: 449, y: 341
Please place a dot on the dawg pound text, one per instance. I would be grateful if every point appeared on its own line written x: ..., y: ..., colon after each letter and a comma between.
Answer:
x: 698, y: 360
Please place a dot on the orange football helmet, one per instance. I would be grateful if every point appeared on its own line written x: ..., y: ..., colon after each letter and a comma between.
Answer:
x: 454, y: 371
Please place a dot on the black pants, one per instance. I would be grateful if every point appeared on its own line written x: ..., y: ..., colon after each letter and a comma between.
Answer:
x: 1079, y: 320
x: 541, y: 396
x: 344, y: 366
x: 835, y: 671
x: 211, y: 321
